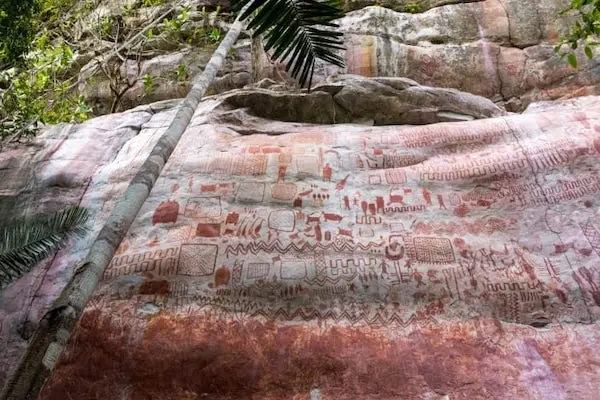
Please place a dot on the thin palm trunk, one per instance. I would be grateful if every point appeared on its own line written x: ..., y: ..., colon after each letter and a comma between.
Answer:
x: 257, y: 51
x: 55, y: 328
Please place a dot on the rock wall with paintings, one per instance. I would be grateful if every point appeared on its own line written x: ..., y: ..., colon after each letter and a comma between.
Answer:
x: 350, y: 261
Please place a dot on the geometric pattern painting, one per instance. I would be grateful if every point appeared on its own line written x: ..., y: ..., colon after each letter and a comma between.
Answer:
x: 197, y: 259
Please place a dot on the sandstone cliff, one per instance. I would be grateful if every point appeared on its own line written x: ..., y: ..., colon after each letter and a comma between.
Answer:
x: 405, y: 235
x: 342, y: 261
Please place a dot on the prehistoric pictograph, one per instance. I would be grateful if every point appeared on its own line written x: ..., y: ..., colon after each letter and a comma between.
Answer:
x: 197, y: 259
x: 406, y: 224
x: 354, y: 251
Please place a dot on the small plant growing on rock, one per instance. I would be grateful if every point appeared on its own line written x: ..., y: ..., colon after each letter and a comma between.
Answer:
x: 413, y: 8
x: 182, y: 74
x: 215, y: 34
x: 128, y: 10
x: 106, y: 24
x: 149, y: 83
x: 175, y: 25
x: 152, y: 3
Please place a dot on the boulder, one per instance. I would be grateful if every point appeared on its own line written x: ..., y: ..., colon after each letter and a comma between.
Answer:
x: 382, y: 101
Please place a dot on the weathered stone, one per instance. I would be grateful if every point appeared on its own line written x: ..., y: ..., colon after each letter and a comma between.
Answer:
x: 385, y: 101
x: 499, y: 49
x: 88, y: 165
x: 163, y: 72
x: 496, y: 49
x: 316, y: 107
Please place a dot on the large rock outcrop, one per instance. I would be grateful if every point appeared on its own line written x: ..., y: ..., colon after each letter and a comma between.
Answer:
x: 500, y: 49
x: 90, y: 165
x: 341, y: 261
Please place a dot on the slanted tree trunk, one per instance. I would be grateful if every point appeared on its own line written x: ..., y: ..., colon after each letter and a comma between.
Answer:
x: 260, y: 63
x: 46, y: 345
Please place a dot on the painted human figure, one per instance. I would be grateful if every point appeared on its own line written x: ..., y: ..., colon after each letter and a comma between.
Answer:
x: 427, y: 196
x: 441, y: 202
x: 327, y: 172
x: 281, y: 173
x: 418, y: 277
x: 318, y: 234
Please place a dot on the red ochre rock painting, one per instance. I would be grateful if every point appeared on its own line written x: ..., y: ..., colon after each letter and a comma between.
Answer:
x: 208, y: 230
x: 154, y: 288
x: 472, y: 271
x: 166, y: 212
x: 179, y: 357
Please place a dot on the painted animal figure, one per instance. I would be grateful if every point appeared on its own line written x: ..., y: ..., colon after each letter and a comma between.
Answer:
x: 333, y: 217
x: 310, y: 219
x: 345, y: 232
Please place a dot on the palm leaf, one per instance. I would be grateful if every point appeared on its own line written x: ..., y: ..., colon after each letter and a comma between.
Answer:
x: 299, y: 31
x: 26, y: 241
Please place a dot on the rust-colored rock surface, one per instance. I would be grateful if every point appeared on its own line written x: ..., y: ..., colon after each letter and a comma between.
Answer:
x: 454, y: 260
x: 88, y: 165
x: 499, y: 49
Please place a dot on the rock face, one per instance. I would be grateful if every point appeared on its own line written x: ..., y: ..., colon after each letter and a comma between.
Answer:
x: 499, y: 49
x: 453, y: 260
x: 90, y: 165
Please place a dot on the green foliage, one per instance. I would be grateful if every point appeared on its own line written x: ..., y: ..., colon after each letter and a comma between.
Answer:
x: 38, y: 94
x: 182, y: 73
x: 128, y: 10
x: 585, y: 32
x: 26, y: 241
x: 57, y: 16
x: 151, y: 3
x: 17, y: 29
x: 106, y: 25
x: 299, y: 31
x: 215, y: 34
x: 175, y: 25
x: 149, y: 84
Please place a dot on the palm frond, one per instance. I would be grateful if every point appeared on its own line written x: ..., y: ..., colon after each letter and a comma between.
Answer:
x: 26, y: 241
x: 299, y: 31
